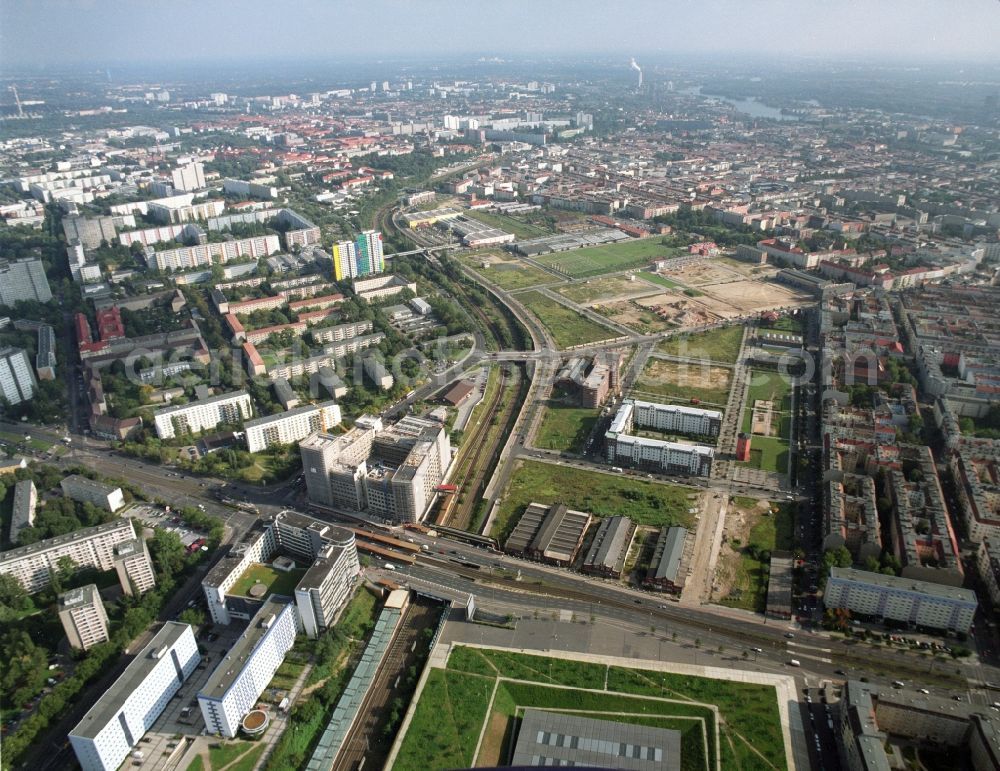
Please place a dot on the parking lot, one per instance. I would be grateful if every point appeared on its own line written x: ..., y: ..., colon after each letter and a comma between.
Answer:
x: 157, y: 518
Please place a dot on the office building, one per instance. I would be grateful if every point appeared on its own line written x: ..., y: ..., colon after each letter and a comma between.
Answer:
x: 290, y: 426
x: 123, y: 714
x: 390, y: 472
x: 91, y: 547
x: 918, y: 603
x: 45, y: 359
x: 556, y: 739
x: 229, y: 408
x: 188, y: 178
x: 17, y: 382
x: 327, y: 584
x: 240, y: 678
x: 23, y: 510
x: 86, y: 490
x: 361, y: 257
x: 134, y: 567
x: 83, y: 617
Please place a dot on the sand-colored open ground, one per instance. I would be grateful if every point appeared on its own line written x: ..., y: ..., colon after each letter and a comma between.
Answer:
x: 679, y: 310
x: 635, y: 316
x: 764, y: 422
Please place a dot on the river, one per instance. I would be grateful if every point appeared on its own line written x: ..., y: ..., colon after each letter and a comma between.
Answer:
x: 751, y: 107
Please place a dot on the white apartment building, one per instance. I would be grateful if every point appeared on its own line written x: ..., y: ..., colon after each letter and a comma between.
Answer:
x: 212, y: 253
x: 23, y: 511
x: 190, y: 177
x: 17, y: 381
x: 327, y: 584
x: 341, y: 332
x: 918, y: 603
x: 134, y: 567
x: 233, y: 407
x: 666, y: 417
x: 83, y: 617
x: 182, y: 208
x: 290, y: 426
x: 123, y: 714
x: 660, y: 454
x: 23, y: 279
x: 91, y: 547
x: 241, y: 677
x: 88, y: 491
x: 376, y: 288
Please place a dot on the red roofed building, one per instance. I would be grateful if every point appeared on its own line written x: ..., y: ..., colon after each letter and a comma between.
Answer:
x: 83, y: 334
x: 109, y: 323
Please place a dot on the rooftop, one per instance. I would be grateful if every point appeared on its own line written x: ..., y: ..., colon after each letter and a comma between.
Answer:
x: 941, y: 591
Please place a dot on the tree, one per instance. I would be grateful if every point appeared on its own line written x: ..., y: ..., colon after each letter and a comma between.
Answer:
x: 66, y: 567
x: 168, y: 552
x: 192, y: 616
x: 12, y: 594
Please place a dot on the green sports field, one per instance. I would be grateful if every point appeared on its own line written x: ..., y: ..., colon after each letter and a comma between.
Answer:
x: 595, y: 260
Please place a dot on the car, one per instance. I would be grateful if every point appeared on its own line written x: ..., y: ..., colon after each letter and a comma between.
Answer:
x: 956, y: 697
x: 789, y: 635
x: 923, y: 691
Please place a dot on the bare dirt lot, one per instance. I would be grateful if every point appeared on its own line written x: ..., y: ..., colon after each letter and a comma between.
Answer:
x: 752, y: 296
x: 764, y: 422
x: 679, y: 310
x: 678, y: 380
x: 635, y: 316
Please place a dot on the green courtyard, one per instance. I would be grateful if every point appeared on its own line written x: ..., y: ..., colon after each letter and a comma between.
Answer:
x: 277, y: 581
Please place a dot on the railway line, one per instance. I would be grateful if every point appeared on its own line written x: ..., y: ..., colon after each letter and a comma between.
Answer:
x: 366, y: 745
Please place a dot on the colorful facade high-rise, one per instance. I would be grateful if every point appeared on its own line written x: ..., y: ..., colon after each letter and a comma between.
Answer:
x: 360, y: 257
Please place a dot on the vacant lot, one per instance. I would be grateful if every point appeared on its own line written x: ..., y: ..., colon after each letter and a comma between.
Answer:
x: 635, y: 316
x: 507, y: 272
x: 490, y: 688
x: 681, y: 381
x: 603, y: 495
x: 595, y: 260
x: 277, y: 581
x: 755, y: 529
x: 721, y: 345
x: 509, y: 224
x: 607, y: 288
x: 567, y: 327
x: 565, y: 428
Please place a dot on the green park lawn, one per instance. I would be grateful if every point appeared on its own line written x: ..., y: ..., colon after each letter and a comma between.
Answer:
x: 769, y: 453
x: 568, y: 328
x: 600, y: 494
x: 720, y: 345
x: 278, y: 581
x: 492, y: 687
x: 565, y: 428
x: 595, y: 260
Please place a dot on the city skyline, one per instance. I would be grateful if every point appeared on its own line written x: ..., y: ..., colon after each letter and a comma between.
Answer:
x: 894, y: 30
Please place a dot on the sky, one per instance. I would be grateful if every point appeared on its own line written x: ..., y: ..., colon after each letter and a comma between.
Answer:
x: 58, y: 33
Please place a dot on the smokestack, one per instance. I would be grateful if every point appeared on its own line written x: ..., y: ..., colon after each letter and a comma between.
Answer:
x: 638, y: 69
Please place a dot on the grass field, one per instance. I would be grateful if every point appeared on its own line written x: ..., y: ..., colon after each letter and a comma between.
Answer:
x: 595, y: 260
x: 489, y: 689
x: 684, y: 382
x: 609, y: 287
x: 507, y: 273
x: 769, y: 532
x: 565, y: 428
x: 509, y: 224
x: 567, y: 327
x: 656, y: 278
x: 769, y: 453
x: 277, y: 581
x: 603, y: 495
x: 720, y: 345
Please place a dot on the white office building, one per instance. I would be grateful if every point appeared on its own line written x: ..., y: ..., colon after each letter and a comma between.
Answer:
x: 918, y: 603
x: 86, y: 490
x: 23, y: 279
x: 91, y: 547
x: 17, y: 381
x: 233, y: 407
x: 123, y: 714
x: 240, y: 678
x: 83, y: 617
x: 188, y: 178
x: 327, y: 584
x: 290, y: 426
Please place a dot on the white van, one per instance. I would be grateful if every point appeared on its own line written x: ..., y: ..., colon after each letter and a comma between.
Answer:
x: 389, y: 566
x: 795, y: 663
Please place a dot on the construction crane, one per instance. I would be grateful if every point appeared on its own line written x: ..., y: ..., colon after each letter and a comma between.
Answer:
x: 20, y: 110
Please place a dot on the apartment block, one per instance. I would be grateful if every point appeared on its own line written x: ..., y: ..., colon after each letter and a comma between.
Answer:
x: 327, y: 584
x: 240, y: 678
x: 917, y: 603
x: 290, y: 426
x: 113, y: 727
x: 91, y: 547
x: 206, y: 255
x: 189, y: 177
x: 975, y: 469
x: 85, y: 490
x: 229, y: 408
x: 134, y: 567
x: 17, y: 382
x: 370, y: 289
x: 23, y: 510
x: 83, y: 617
x: 361, y: 257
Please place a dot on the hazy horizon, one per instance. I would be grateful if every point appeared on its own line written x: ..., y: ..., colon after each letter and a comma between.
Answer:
x: 57, y: 33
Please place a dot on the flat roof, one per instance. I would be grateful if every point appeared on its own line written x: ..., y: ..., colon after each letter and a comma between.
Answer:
x: 61, y: 540
x: 303, y: 410
x: 230, y: 396
x: 110, y: 703
x: 954, y: 593
x: 230, y: 668
x: 82, y: 595
x: 553, y: 738
x: 75, y: 480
